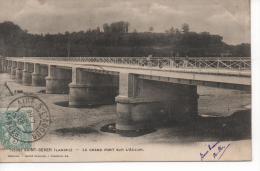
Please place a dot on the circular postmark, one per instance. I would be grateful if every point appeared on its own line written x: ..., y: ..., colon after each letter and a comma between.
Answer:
x: 27, y: 118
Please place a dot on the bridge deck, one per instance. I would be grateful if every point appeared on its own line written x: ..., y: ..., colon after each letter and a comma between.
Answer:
x: 185, y: 75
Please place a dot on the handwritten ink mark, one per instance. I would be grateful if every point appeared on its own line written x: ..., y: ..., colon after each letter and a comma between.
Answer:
x: 214, y: 145
x: 223, y: 151
x: 218, y: 149
x: 203, y: 155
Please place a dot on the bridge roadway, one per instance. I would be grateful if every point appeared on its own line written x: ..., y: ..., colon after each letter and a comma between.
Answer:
x: 146, y: 90
x: 223, y: 77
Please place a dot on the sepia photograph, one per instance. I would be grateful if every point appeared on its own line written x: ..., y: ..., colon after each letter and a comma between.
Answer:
x: 125, y: 81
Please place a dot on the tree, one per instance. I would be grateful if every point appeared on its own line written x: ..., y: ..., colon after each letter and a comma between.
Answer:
x: 106, y: 28
x: 172, y: 30
x: 151, y: 29
x: 14, y: 41
x: 119, y: 27
x: 98, y: 29
x: 116, y: 27
x: 185, y: 28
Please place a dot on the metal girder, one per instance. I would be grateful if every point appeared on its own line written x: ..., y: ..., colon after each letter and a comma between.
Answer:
x: 218, y: 63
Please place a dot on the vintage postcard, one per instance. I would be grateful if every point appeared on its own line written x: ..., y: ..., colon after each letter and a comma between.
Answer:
x: 125, y: 80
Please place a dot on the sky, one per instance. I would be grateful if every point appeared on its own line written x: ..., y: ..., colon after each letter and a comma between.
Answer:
x: 228, y: 18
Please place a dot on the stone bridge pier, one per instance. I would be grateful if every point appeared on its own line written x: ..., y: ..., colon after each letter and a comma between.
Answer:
x: 13, y: 70
x: 3, y: 65
x: 58, y: 80
x: 39, y: 74
x: 27, y: 74
x: 19, y: 72
x: 9, y: 66
x: 143, y: 102
x: 90, y: 88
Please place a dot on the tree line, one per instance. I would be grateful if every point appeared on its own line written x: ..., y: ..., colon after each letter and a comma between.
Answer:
x: 116, y: 40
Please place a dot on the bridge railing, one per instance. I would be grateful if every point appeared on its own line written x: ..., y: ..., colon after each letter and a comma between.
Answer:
x: 230, y: 63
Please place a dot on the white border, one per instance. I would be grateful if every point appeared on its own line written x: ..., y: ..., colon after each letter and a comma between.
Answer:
x: 155, y: 166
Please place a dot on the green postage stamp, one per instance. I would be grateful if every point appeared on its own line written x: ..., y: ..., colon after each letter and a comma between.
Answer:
x: 16, y: 124
x: 25, y: 120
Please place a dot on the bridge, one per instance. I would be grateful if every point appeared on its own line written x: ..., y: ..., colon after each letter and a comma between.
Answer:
x: 142, y: 87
